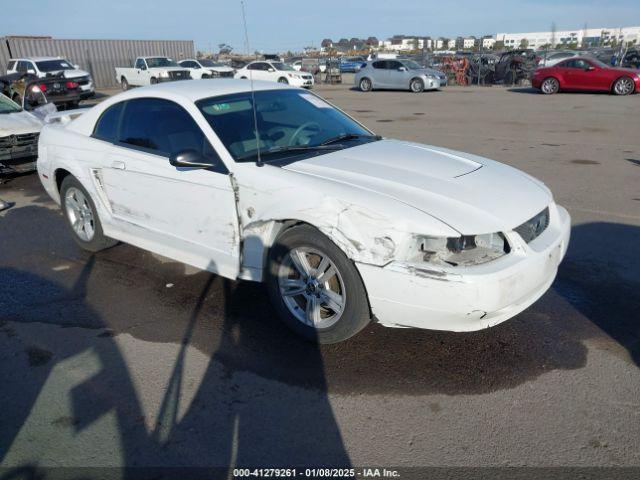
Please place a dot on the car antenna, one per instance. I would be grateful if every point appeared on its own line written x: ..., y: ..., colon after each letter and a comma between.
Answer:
x: 253, y: 96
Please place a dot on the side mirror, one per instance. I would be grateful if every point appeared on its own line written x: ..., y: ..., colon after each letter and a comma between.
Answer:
x: 402, y: 69
x: 272, y: 69
x: 143, y: 67
x: 190, y: 159
x: 31, y: 71
x: 589, y: 68
x: 76, y: 66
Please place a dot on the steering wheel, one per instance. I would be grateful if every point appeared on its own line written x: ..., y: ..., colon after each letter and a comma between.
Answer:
x: 301, y: 128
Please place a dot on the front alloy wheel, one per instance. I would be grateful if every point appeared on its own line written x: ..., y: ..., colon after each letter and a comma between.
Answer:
x: 417, y: 85
x: 312, y: 287
x: 624, y: 86
x: 315, y: 288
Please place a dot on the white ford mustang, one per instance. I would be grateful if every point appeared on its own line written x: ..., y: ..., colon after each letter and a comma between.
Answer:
x: 342, y: 225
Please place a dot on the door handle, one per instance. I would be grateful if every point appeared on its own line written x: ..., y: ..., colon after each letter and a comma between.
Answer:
x: 118, y: 165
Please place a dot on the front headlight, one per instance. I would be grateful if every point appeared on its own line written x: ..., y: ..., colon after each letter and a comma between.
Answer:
x: 462, y: 251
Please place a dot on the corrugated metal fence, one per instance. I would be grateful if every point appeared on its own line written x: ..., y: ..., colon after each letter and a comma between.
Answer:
x: 98, y: 57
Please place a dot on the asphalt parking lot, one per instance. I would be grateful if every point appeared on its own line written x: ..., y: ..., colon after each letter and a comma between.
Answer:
x: 127, y: 358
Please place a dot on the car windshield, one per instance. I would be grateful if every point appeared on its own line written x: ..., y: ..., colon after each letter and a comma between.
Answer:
x: 411, y: 65
x: 53, y: 65
x: 8, y: 106
x: 160, y: 62
x: 211, y: 63
x: 290, y: 122
x: 282, y: 66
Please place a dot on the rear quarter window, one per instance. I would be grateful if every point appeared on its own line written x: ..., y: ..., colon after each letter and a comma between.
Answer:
x: 107, y: 125
x: 11, y: 65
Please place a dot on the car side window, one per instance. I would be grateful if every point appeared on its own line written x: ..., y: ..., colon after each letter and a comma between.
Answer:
x: 107, y: 125
x: 162, y: 127
x: 139, y: 63
x: 379, y: 65
x: 11, y: 64
x: 393, y: 65
x: 22, y: 66
x: 253, y: 66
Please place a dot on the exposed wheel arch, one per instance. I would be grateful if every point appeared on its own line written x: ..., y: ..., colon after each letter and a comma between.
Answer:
x: 60, y: 174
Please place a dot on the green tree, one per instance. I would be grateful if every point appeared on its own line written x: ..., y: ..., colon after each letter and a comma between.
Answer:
x: 524, y: 43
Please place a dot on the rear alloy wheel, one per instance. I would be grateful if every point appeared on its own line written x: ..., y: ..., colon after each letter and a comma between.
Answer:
x: 550, y: 86
x: 124, y: 84
x: 283, y: 80
x: 315, y: 288
x: 624, y: 86
x: 417, y: 85
x: 365, y: 85
x: 82, y: 218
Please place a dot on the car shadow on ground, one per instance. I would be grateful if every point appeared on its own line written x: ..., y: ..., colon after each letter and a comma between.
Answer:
x: 244, y: 410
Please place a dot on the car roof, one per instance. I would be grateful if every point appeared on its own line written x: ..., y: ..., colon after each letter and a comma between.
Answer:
x: 38, y: 59
x: 195, y: 90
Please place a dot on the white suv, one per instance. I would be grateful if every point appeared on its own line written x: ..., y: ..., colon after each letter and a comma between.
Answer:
x: 43, y: 67
x: 206, y: 68
x: 275, y: 72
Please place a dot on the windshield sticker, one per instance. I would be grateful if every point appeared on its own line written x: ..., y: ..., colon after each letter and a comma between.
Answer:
x: 315, y: 101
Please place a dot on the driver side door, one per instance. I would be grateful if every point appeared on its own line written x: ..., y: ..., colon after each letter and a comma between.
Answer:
x: 187, y: 214
x: 397, y: 75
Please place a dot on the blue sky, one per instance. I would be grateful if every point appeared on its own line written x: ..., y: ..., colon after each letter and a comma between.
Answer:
x: 276, y: 25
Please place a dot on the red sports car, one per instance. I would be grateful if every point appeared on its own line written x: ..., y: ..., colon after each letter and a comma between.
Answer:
x: 588, y: 75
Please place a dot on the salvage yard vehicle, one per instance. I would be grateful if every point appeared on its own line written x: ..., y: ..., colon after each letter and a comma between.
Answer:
x: 206, y: 68
x: 276, y: 185
x: 398, y: 75
x: 586, y: 75
x: 150, y: 70
x: 45, y: 67
x: 19, y: 132
x: 27, y: 89
x: 275, y: 72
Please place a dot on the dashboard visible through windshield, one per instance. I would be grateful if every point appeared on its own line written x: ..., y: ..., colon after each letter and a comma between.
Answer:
x: 288, y: 122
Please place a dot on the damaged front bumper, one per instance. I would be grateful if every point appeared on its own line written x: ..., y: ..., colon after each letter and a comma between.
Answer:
x: 465, y: 299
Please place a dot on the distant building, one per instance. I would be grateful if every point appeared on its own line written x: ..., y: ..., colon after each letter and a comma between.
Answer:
x: 488, y: 42
x: 572, y: 38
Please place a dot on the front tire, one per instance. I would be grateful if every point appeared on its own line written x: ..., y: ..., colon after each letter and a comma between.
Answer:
x: 624, y: 86
x: 82, y: 216
x: 365, y: 85
x: 417, y: 85
x: 549, y: 86
x: 315, y: 288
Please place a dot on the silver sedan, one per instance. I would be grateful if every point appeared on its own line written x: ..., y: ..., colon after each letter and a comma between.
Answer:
x: 397, y: 75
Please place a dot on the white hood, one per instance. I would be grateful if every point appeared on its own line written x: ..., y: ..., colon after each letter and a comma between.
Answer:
x: 471, y: 194
x: 18, y: 123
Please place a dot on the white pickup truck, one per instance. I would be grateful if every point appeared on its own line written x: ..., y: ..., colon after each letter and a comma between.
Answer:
x: 150, y: 70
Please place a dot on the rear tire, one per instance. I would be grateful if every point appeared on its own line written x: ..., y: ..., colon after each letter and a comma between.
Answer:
x: 124, y: 84
x: 337, y: 297
x: 82, y: 216
x: 417, y: 85
x: 283, y: 80
x: 624, y: 86
x: 153, y: 81
x: 549, y: 86
x: 365, y: 85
